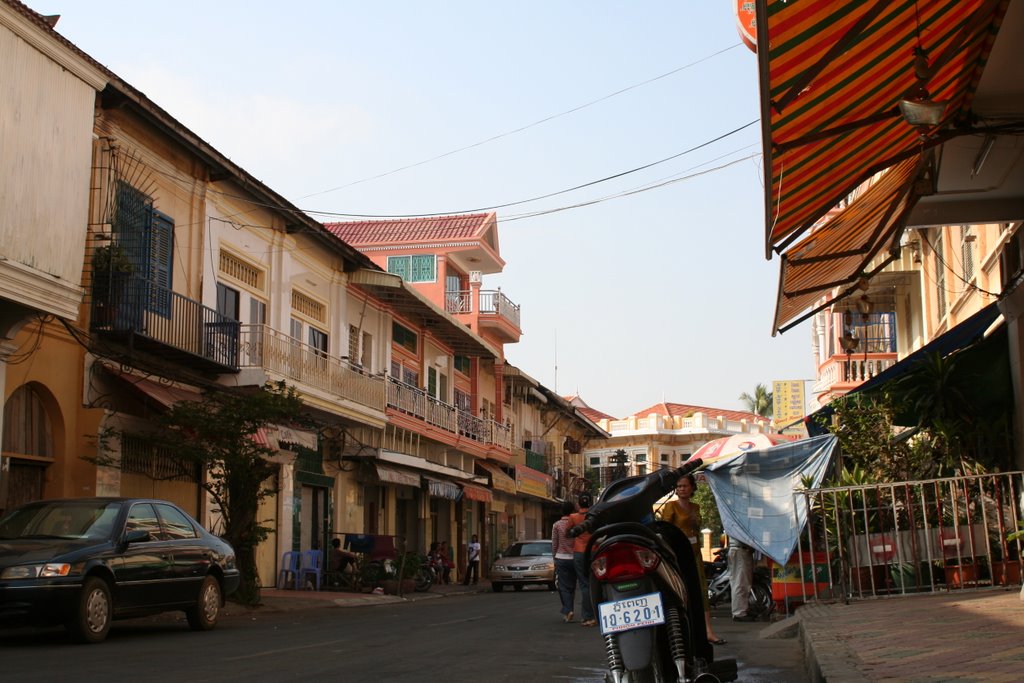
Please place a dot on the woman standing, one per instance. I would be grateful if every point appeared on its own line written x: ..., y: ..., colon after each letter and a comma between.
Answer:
x: 685, y: 514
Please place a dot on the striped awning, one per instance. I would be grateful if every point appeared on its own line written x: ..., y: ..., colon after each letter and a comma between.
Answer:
x: 394, y: 476
x: 443, y: 489
x: 828, y: 263
x: 479, y: 493
x: 832, y: 75
x: 499, y: 480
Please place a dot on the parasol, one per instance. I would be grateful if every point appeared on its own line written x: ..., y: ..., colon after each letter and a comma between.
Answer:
x: 729, y: 446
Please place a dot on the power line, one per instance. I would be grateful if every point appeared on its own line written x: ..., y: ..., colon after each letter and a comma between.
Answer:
x: 494, y: 207
x: 522, y: 128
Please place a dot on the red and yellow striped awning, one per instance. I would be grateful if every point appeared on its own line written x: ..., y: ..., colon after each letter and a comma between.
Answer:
x: 837, y: 253
x: 832, y: 76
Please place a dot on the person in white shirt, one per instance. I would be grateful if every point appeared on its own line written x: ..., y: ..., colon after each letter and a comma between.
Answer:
x: 473, y: 563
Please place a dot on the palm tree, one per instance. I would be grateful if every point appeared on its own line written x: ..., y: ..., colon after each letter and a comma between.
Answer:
x: 760, y: 403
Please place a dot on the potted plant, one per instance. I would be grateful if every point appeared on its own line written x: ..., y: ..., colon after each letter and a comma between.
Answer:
x: 110, y: 268
x: 1006, y: 568
x: 400, y: 575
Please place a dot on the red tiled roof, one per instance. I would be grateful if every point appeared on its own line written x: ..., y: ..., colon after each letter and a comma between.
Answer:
x: 403, y: 230
x: 591, y: 414
x: 682, y: 410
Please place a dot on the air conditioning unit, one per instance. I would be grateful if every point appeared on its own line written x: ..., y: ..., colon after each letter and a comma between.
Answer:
x: 476, y: 276
x: 1010, y: 260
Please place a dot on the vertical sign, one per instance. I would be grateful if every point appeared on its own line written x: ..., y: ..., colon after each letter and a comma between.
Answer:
x: 787, y: 401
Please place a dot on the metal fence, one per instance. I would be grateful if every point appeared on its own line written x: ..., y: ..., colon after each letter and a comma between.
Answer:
x: 909, y: 537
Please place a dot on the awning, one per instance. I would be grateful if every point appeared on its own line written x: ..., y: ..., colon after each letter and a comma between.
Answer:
x: 164, y: 393
x: 832, y: 75
x: 299, y: 437
x: 499, y: 480
x: 479, y: 493
x: 837, y: 253
x: 418, y: 309
x: 393, y: 476
x: 443, y: 489
x: 963, y: 335
x: 534, y: 483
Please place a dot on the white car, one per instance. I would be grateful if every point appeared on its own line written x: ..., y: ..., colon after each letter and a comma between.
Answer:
x: 524, y: 563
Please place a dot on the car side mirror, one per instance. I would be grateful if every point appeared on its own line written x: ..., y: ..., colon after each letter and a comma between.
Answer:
x: 137, y: 536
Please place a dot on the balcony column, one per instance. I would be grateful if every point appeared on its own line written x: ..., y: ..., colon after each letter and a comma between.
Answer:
x: 474, y: 295
x: 474, y: 385
x: 499, y: 391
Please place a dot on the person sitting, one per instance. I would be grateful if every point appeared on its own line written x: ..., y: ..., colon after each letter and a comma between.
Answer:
x: 340, y: 562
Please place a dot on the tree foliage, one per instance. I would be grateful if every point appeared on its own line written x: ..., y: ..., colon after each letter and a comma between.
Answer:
x: 760, y: 403
x: 217, y: 434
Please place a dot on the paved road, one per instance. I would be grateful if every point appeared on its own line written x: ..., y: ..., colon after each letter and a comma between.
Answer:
x: 479, y: 637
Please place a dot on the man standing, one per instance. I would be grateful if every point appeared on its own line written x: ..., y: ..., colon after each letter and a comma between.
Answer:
x: 741, y: 575
x: 582, y: 571
x: 473, y: 563
x: 565, y: 572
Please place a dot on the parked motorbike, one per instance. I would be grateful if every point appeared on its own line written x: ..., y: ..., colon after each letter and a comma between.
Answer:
x: 760, y: 603
x: 645, y: 587
x: 718, y: 565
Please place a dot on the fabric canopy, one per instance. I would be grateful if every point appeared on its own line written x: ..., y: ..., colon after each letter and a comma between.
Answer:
x: 393, y: 476
x: 499, y: 480
x: 443, y: 489
x: 755, y: 492
x: 470, y: 492
x: 838, y: 252
x: 832, y: 76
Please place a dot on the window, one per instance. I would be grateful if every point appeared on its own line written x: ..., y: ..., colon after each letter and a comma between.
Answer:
x: 640, y: 457
x: 27, y: 427
x: 463, y: 401
x: 967, y: 239
x: 318, y: 340
x: 147, y: 236
x: 176, y: 524
x: 416, y: 268
x: 143, y: 518
x: 595, y: 462
x: 296, y: 329
x: 257, y: 312
x: 940, y: 276
x: 357, y: 355
x: 462, y: 364
x: 404, y: 337
x: 227, y: 301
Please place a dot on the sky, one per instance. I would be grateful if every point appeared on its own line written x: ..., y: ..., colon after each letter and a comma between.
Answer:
x: 649, y: 284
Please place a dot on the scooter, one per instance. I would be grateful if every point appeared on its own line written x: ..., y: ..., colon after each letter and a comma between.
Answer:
x: 760, y: 602
x: 645, y: 587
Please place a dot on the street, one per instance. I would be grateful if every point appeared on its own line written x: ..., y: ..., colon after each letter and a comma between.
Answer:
x: 480, y: 637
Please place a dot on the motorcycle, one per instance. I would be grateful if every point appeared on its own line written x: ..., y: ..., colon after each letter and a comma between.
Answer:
x: 646, y: 588
x: 718, y: 565
x: 760, y: 602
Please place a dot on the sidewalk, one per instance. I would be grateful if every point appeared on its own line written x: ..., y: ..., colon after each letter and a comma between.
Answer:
x: 969, y: 635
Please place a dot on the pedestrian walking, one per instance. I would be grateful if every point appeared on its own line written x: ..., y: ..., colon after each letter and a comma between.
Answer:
x: 565, y: 571
x: 741, y: 576
x: 472, y: 562
x: 582, y: 571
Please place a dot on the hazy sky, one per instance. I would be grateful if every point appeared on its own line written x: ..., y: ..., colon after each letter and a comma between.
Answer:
x: 664, y: 294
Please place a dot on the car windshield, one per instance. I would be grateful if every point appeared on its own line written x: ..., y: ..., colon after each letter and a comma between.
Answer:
x: 526, y: 549
x: 93, y: 520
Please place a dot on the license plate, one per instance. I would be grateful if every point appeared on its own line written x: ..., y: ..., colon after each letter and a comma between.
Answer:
x: 629, y: 613
x: 517, y: 575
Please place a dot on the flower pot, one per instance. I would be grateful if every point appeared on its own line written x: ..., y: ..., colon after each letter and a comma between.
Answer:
x: 1006, y: 573
x: 957, y: 576
x: 392, y: 586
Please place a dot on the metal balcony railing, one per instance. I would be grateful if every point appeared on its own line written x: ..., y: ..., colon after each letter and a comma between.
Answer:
x: 496, y: 303
x: 416, y: 402
x: 148, y: 313
x: 281, y: 354
x: 538, y: 461
x: 491, y: 303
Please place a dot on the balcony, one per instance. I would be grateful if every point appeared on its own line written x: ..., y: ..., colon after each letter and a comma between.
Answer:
x: 459, y: 423
x: 494, y: 310
x: 160, y: 321
x: 280, y: 354
x: 872, y: 352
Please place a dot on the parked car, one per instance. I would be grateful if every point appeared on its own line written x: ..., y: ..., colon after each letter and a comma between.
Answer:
x: 84, y: 562
x: 523, y: 564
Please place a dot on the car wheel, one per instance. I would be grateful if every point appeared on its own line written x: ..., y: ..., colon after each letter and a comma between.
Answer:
x: 203, y: 615
x: 518, y: 587
x: 91, y: 622
x: 496, y: 587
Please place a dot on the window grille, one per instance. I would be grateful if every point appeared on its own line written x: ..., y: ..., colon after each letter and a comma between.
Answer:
x: 138, y: 457
x: 308, y: 306
x: 246, y: 273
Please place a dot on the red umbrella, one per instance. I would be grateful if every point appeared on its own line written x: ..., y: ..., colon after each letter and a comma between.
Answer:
x: 728, y: 446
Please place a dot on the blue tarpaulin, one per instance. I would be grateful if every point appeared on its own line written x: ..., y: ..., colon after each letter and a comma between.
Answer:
x: 755, y: 492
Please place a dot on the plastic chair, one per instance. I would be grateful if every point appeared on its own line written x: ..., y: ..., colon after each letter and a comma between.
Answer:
x: 289, y: 569
x: 312, y: 565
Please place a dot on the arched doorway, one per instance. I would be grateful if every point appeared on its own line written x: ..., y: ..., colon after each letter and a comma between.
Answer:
x: 27, y: 447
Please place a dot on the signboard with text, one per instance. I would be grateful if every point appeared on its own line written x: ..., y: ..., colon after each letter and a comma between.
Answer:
x: 787, y: 401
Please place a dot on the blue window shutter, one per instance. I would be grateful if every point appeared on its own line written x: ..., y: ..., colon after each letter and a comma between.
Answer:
x: 161, y: 262
x: 399, y: 265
